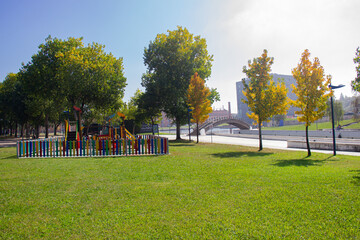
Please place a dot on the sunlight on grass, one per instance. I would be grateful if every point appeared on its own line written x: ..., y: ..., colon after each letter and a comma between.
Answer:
x: 316, y: 126
x: 199, y: 191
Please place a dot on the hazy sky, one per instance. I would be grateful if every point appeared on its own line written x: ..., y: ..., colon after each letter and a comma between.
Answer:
x: 236, y: 31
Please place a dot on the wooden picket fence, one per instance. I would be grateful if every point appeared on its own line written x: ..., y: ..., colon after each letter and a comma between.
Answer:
x: 58, y: 147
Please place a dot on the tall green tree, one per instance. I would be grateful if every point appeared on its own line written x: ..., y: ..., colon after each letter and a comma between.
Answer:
x: 171, y: 59
x: 149, y: 106
x: 198, y: 100
x: 91, y: 77
x: 312, y: 91
x: 12, y: 105
x: 263, y: 97
x: 356, y: 82
x: 45, y: 92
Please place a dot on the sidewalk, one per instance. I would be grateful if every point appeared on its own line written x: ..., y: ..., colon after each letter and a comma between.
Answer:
x: 8, y: 142
x: 254, y: 142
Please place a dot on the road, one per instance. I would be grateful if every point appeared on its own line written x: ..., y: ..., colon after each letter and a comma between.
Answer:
x: 254, y: 142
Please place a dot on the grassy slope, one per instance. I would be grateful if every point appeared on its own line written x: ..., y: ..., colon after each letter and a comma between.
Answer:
x: 199, y: 191
x: 314, y: 126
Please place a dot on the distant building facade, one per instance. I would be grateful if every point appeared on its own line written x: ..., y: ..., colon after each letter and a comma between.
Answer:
x: 243, y: 108
x: 215, y: 114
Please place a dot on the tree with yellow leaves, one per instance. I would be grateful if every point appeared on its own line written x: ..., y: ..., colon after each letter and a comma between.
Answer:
x: 263, y: 97
x: 198, y: 100
x: 312, y: 91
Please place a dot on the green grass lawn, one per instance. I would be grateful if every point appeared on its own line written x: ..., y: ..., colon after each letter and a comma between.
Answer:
x: 314, y: 126
x: 200, y: 191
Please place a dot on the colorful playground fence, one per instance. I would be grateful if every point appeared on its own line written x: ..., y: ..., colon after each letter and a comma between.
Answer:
x: 58, y: 147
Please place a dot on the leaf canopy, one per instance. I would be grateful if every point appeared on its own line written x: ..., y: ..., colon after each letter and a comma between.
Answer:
x: 312, y: 89
x: 263, y: 97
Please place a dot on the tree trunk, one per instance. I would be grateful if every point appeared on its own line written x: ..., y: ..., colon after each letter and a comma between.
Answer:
x: 37, y: 131
x: 55, y: 128
x: 152, y: 126
x: 79, y: 126
x: 87, y: 130
x: 260, y: 138
x: 197, y: 132
x: 16, y: 126
x: 22, y: 131
x: 46, y: 126
x: 307, y: 141
x: 27, y: 131
x: 178, y: 130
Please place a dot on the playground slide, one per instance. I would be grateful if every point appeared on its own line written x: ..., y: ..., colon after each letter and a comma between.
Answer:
x: 129, y: 135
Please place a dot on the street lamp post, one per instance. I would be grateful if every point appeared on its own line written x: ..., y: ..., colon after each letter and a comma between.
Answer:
x: 189, y: 111
x: 332, y: 115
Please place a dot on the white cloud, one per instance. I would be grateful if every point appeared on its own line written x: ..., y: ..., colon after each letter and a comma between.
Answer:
x: 238, y: 31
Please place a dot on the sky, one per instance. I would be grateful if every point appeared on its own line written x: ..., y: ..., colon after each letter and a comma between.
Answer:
x: 236, y: 31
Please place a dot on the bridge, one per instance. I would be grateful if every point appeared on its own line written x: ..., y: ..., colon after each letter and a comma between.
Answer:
x: 213, y: 122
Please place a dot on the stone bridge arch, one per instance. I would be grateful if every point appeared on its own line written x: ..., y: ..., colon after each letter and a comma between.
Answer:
x: 236, y: 122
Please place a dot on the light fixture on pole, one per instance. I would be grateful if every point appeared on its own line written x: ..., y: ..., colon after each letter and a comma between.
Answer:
x: 332, y: 87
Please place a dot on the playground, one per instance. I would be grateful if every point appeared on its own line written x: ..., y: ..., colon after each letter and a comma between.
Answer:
x: 110, y: 141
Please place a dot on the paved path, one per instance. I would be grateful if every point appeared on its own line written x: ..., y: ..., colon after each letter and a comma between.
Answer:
x: 8, y: 142
x: 253, y: 142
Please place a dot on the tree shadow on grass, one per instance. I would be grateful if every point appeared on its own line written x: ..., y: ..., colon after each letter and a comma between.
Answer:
x: 9, y: 157
x: 240, y: 154
x: 304, y: 162
x: 356, y: 178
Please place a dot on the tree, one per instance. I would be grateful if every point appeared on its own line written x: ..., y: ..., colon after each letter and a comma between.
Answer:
x: 338, y: 111
x: 279, y: 118
x: 132, y: 111
x: 45, y: 92
x: 355, y: 104
x: 92, y: 78
x: 356, y: 82
x: 263, y: 97
x: 171, y: 60
x: 12, y: 103
x: 311, y: 90
x: 198, y: 100
x: 214, y: 96
x: 148, y: 106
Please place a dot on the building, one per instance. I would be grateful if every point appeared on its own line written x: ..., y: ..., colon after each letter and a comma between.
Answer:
x: 215, y: 114
x: 243, y: 108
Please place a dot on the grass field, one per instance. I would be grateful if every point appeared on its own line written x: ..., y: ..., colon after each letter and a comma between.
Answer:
x: 200, y: 191
x: 315, y: 126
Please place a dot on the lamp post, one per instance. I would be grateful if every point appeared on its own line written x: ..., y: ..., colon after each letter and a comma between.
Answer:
x: 332, y: 87
x: 189, y: 111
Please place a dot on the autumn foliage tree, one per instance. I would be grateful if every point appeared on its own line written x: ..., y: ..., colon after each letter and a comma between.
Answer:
x: 198, y: 100
x: 311, y: 90
x: 263, y: 97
